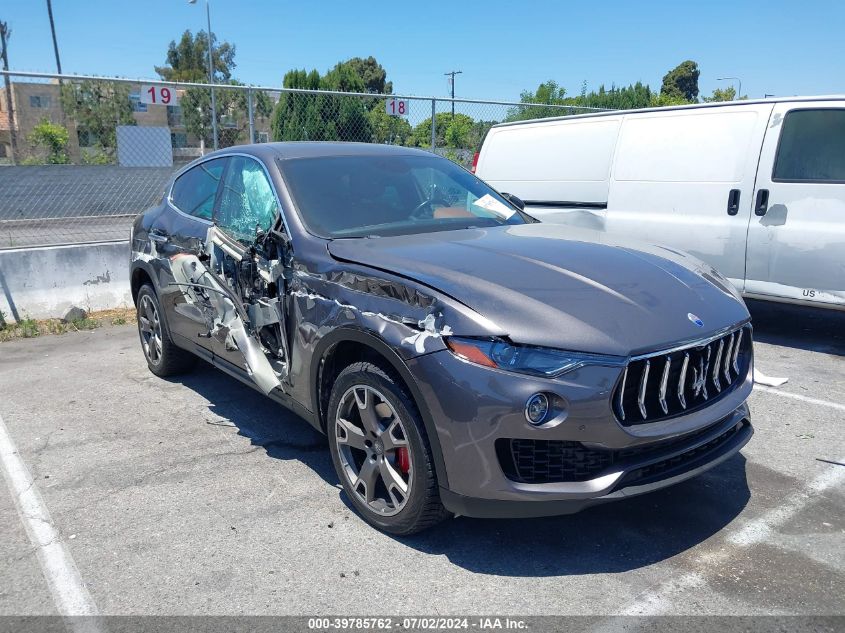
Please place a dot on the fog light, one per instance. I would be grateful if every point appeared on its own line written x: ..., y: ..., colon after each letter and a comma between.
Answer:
x: 537, y: 408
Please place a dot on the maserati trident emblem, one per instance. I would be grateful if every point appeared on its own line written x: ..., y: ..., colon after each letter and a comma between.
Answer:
x: 699, y: 379
x: 695, y: 319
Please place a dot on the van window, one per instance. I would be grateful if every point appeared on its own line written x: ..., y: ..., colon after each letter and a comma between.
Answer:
x: 194, y: 191
x: 701, y: 147
x: 811, y: 147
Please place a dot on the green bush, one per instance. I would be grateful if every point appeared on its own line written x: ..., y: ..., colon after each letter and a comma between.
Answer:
x: 54, y: 139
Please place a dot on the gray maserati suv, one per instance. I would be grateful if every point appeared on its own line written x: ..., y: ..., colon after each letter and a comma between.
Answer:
x: 461, y: 357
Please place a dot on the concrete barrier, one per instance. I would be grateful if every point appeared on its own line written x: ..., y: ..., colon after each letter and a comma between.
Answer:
x: 43, y: 282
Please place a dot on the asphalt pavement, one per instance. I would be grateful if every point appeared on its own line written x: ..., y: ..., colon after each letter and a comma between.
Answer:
x: 197, y: 495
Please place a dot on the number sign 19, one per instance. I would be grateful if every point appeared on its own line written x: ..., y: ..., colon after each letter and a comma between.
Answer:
x: 158, y: 95
x: 396, y: 107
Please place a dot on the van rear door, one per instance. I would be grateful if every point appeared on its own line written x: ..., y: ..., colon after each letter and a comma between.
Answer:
x: 796, y: 236
x: 685, y: 178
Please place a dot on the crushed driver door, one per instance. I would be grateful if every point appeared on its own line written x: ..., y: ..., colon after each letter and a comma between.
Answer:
x: 237, y: 281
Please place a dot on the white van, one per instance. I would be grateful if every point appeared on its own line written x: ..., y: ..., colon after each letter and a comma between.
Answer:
x: 755, y: 188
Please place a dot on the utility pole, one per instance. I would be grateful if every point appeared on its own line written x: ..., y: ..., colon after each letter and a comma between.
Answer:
x: 451, y: 75
x: 5, y: 34
x: 55, y: 42
x: 210, y: 72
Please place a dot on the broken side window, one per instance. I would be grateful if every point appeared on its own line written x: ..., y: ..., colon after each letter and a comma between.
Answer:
x: 248, y: 202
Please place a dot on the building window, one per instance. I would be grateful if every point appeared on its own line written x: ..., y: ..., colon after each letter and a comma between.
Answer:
x: 40, y: 101
x: 263, y: 137
x: 174, y: 116
x: 179, y: 140
x: 87, y: 138
x: 137, y: 106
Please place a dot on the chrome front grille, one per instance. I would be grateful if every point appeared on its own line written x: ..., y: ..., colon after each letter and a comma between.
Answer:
x: 664, y: 384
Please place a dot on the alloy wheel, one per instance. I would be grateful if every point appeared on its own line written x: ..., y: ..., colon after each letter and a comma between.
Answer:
x: 373, y: 449
x: 149, y: 325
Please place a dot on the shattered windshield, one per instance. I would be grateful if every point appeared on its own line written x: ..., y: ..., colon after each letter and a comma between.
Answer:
x: 359, y: 196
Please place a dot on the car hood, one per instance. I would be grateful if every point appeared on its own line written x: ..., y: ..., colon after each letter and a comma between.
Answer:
x: 557, y: 286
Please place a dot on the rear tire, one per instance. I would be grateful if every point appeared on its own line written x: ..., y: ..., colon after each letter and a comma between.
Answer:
x: 381, y: 452
x: 162, y: 356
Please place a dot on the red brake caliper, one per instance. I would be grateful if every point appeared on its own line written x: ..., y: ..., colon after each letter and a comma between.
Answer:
x: 403, y: 459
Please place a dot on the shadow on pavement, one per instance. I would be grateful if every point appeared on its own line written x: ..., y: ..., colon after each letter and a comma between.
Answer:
x: 802, y: 327
x: 610, y: 538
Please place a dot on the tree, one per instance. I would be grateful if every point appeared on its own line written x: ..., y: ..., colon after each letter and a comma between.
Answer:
x: 53, y: 138
x: 449, y: 131
x: 458, y: 131
x: 344, y: 118
x: 188, y: 60
x: 629, y: 97
x: 296, y: 117
x: 372, y: 74
x: 682, y: 82
x: 553, y: 96
x: 98, y: 107
x: 232, y: 112
x: 317, y: 117
x: 392, y: 130
x: 726, y: 94
x: 547, y: 93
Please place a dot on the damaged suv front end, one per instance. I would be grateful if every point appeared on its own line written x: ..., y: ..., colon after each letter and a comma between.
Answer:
x: 460, y: 356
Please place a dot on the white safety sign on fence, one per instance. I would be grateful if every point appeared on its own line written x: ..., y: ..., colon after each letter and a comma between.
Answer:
x: 158, y: 95
x: 396, y: 107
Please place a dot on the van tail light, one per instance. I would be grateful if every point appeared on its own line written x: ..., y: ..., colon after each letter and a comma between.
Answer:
x: 474, y: 162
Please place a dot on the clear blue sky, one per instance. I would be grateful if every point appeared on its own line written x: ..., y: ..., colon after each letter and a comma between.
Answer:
x: 775, y: 46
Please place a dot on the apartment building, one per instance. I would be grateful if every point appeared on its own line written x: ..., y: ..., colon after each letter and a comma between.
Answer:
x: 33, y: 102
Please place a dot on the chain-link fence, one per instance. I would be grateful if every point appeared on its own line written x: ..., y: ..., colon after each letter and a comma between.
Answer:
x: 80, y: 155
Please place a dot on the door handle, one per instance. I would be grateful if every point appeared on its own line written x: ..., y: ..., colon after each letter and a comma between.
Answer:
x: 762, y: 204
x: 733, y: 201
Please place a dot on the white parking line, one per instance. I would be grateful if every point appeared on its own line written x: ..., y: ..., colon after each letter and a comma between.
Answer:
x: 69, y: 592
x: 798, y: 396
x: 758, y: 530
x: 660, y: 599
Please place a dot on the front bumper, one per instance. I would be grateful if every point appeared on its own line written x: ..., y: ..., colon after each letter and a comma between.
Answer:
x: 474, y: 407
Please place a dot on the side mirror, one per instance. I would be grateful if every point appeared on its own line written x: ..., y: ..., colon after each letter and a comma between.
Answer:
x: 514, y: 200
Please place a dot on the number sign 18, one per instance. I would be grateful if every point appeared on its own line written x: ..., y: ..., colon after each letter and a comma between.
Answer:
x: 396, y: 107
x: 158, y: 95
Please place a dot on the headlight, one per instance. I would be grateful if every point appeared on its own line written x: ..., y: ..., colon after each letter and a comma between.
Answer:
x: 537, y: 361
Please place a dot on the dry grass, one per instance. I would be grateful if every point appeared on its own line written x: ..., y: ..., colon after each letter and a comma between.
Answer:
x: 30, y: 328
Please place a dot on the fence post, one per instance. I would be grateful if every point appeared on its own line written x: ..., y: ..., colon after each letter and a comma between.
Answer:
x: 433, y: 130
x: 251, y: 116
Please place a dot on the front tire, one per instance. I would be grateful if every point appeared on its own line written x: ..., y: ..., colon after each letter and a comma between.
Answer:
x: 162, y: 356
x: 381, y: 452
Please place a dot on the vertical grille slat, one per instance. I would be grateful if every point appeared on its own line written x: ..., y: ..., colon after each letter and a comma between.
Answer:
x: 736, y: 351
x: 705, y: 369
x: 728, y: 355
x: 664, y: 380
x: 682, y: 382
x: 620, y: 396
x: 643, y: 386
x: 698, y: 373
x: 717, y: 367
